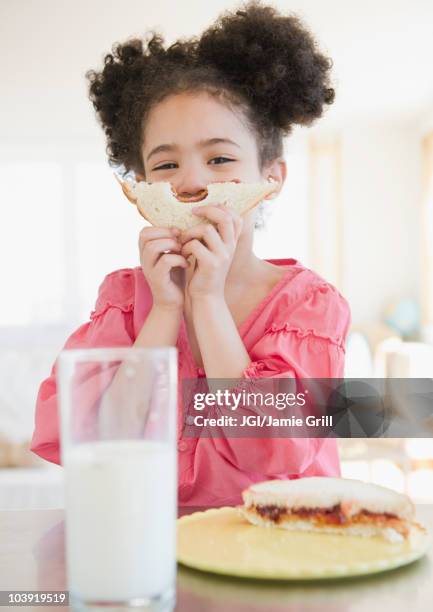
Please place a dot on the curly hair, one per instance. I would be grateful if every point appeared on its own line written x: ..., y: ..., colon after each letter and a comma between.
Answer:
x: 254, y: 59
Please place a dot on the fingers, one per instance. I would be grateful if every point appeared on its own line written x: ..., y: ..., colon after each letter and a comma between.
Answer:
x: 154, y: 241
x: 169, y: 261
x: 207, y: 233
x: 226, y: 220
x: 151, y: 233
x: 201, y: 253
x: 154, y: 248
x: 238, y: 222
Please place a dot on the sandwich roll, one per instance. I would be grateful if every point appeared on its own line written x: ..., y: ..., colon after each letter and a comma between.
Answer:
x: 160, y: 205
x: 331, y: 505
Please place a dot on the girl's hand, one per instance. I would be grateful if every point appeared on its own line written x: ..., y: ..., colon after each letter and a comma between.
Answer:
x: 213, y: 246
x: 163, y: 271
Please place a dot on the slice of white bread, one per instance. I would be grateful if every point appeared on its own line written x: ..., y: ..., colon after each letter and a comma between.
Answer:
x: 160, y: 206
x: 330, y: 505
x: 326, y: 492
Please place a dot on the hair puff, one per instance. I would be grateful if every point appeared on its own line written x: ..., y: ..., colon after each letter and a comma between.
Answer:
x: 273, y: 59
x: 265, y: 62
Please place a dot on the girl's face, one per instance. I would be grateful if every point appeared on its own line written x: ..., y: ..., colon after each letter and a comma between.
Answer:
x: 192, y: 140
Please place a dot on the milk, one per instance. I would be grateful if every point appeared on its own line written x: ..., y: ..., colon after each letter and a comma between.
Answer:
x: 120, y: 519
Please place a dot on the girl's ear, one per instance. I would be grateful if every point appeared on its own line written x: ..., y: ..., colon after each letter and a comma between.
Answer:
x: 140, y: 177
x: 276, y: 171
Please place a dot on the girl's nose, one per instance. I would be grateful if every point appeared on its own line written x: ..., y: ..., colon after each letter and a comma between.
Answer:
x: 190, y: 185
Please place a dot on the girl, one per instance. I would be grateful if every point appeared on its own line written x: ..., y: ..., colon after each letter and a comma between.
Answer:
x: 205, y: 110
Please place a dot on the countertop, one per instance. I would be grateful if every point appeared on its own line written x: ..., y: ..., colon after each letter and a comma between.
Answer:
x: 32, y: 559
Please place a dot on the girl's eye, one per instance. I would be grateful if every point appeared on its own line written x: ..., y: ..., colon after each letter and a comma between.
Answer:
x: 218, y: 160
x: 225, y: 159
x: 165, y: 166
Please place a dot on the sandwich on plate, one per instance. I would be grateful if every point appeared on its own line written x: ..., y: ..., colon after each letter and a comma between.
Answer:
x: 161, y: 206
x: 331, y: 505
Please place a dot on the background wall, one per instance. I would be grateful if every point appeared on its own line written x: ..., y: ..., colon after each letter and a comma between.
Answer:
x: 381, y: 186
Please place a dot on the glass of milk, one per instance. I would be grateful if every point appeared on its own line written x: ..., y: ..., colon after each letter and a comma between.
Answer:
x: 118, y: 409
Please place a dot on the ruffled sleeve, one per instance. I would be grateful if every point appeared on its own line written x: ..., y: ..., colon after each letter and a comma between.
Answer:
x: 307, y: 342
x: 110, y: 325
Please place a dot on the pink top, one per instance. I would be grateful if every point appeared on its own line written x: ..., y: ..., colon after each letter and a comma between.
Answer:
x: 298, y: 330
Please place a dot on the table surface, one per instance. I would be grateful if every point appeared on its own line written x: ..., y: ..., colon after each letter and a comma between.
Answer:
x: 32, y: 559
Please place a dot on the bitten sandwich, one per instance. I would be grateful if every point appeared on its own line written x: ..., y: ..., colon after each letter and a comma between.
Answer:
x: 159, y: 203
x: 330, y: 505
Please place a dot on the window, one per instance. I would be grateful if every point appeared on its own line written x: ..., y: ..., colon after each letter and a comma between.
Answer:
x: 32, y: 243
x: 64, y: 229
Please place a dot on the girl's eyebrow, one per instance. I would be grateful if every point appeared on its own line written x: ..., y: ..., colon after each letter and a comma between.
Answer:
x: 202, y: 144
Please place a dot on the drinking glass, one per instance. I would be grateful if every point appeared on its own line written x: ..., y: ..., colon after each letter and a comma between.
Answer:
x: 118, y: 410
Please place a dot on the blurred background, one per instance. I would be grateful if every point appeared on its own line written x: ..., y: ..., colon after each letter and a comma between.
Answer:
x: 357, y: 207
